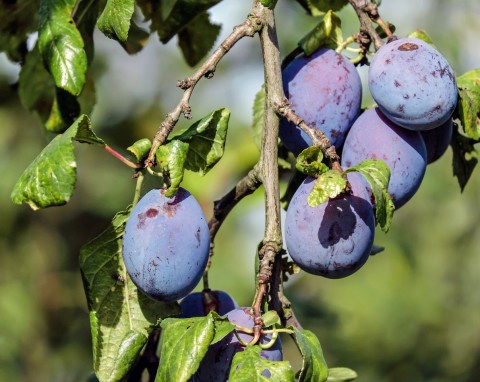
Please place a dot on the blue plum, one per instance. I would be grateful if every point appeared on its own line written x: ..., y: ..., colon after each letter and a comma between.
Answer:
x: 326, y: 91
x: 437, y: 140
x: 413, y: 84
x: 215, y: 366
x: 200, y: 303
x: 373, y: 136
x: 166, y: 244
x: 335, y: 238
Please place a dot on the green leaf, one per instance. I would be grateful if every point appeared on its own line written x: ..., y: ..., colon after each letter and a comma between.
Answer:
x: 319, y: 7
x: 61, y: 45
x: 17, y: 20
x: 56, y: 108
x: 171, y: 159
x: 468, y: 106
x: 222, y: 327
x: 184, y: 343
x: 121, y: 317
x: 422, y: 35
x: 181, y: 14
x: 270, y: 318
x: 328, y: 33
x: 465, y: 158
x: 309, y: 162
x: 137, y: 39
x: 85, y: 17
x: 314, y: 367
x: 377, y: 173
x: 206, y: 139
x: 114, y: 22
x: 258, y: 112
x: 341, y: 374
x: 50, y: 179
x: 328, y: 185
x: 140, y: 148
x: 248, y: 366
x: 197, y: 38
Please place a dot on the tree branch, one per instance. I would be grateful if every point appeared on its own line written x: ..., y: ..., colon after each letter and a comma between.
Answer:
x: 248, y: 28
x: 272, y: 239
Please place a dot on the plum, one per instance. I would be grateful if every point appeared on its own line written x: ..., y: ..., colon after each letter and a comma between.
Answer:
x: 326, y: 91
x: 335, y: 238
x: 193, y: 304
x: 215, y: 366
x: 437, y: 140
x: 373, y: 136
x: 166, y: 244
x: 413, y: 84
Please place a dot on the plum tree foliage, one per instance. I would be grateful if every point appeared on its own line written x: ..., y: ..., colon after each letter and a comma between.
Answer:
x: 349, y: 169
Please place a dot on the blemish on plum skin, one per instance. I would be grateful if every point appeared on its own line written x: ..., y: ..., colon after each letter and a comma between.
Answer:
x: 151, y: 213
x: 397, y: 84
x: 408, y: 46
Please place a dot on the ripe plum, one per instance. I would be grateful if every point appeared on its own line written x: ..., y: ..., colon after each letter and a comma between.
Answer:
x: 166, y: 244
x: 193, y: 304
x: 215, y: 366
x: 373, y: 136
x: 335, y: 238
x: 326, y: 91
x: 437, y: 140
x: 413, y: 84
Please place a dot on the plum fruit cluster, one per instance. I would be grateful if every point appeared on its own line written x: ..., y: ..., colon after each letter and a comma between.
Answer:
x: 166, y: 244
x: 215, y: 366
x: 410, y: 126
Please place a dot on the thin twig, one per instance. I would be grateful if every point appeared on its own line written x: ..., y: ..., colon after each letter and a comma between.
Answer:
x: 318, y: 137
x: 248, y: 28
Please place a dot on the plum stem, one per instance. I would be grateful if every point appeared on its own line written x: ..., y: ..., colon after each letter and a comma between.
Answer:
x: 138, y: 188
x: 248, y: 28
x: 120, y: 157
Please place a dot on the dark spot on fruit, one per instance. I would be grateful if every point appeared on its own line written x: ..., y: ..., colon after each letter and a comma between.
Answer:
x: 197, y: 236
x: 406, y: 96
x: 401, y: 108
x: 397, y: 84
x: 408, y: 46
x: 152, y: 212
x: 141, y: 220
x: 388, y: 61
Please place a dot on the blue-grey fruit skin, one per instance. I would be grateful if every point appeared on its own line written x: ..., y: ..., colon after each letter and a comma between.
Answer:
x: 413, y: 84
x: 193, y: 304
x: 326, y: 91
x: 373, y: 136
x: 215, y: 366
x: 335, y: 238
x: 166, y: 244
x: 437, y: 140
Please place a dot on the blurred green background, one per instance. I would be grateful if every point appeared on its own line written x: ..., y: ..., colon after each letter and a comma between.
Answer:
x: 411, y: 314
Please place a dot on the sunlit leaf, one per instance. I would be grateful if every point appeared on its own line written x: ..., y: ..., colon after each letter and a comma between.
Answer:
x: 248, y: 366
x: 171, y: 159
x: 61, y: 45
x: 341, y: 374
x: 183, y: 345
x: 328, y: 185
x: 314, y: 367
x: 114, y: 21
x: 328, y: 33
x: 469, y: 103
x: 377, y: 173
